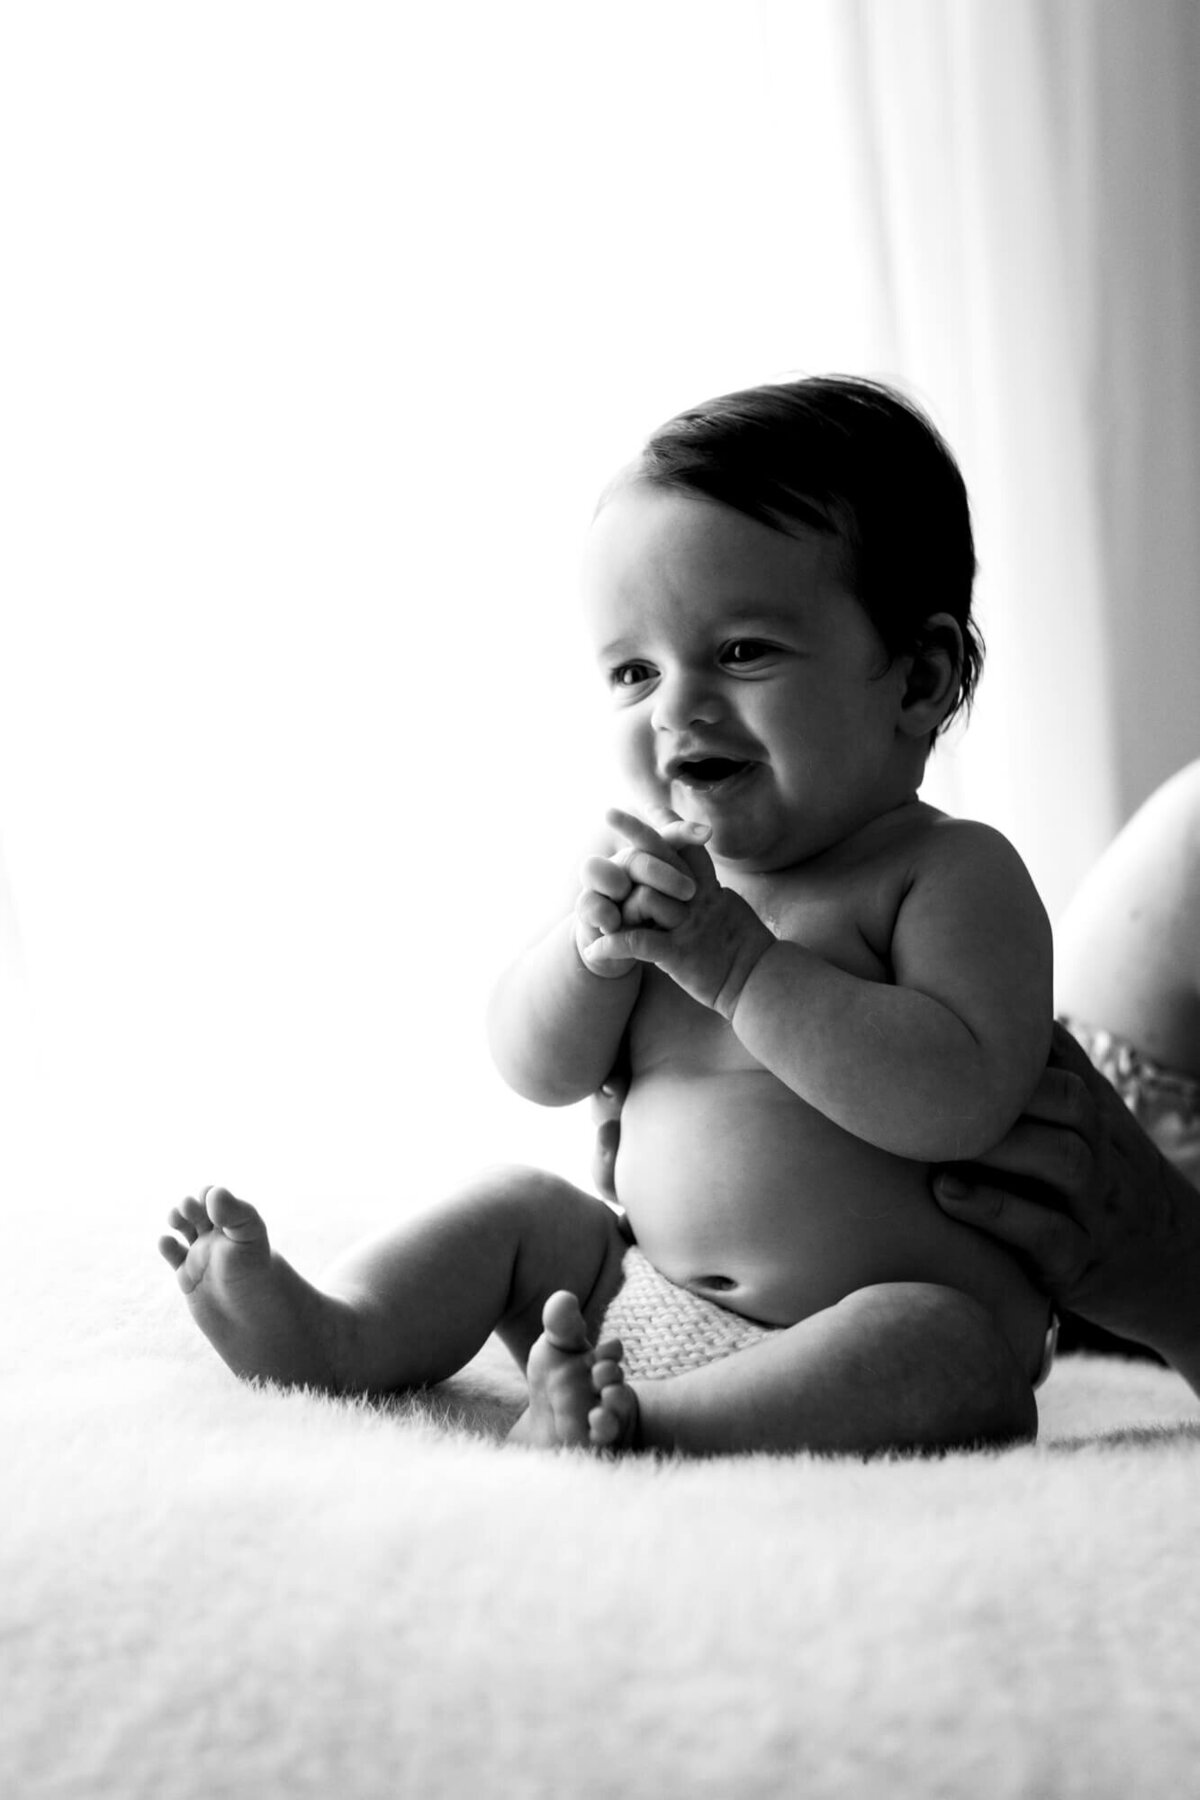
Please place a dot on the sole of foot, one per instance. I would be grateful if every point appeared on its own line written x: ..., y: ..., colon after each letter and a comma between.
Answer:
x: 578, y: 1397
x: 259, y: 1316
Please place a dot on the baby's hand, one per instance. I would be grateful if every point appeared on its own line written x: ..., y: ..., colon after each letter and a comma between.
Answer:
x: 647, y: 883
x: 707, y: 944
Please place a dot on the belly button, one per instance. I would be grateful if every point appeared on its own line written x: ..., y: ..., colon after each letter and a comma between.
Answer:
x: 720, y: 1284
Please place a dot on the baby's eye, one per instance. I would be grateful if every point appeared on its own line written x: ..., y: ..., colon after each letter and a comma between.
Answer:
x: 630, y: 674
x: 743, y: 651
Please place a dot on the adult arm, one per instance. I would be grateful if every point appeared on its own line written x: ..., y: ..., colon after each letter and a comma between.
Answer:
x: 1105, y: 1224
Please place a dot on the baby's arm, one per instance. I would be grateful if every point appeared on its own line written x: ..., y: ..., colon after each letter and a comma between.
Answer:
x: 945, y: 1055
x: 949, y: 1052
x: 556, y: 1020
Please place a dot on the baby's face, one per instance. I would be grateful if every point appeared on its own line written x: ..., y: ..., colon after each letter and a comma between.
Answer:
x: 752, y: 692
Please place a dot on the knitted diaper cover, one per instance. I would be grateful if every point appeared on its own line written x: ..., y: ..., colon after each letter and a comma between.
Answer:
x: 667, y: 1330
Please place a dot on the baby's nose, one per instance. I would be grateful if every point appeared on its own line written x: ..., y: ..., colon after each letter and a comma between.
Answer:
x: 685, y: 699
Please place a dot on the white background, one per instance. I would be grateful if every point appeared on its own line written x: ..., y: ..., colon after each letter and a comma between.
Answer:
x: 330, y: 323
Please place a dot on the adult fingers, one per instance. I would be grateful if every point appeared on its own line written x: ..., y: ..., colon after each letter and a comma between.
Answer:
x: 1055, y: 1156
x: 1072, y: 1091
x: 604, y: 1156
x: 1052, y: 1245
x: 615, y: 1086
x: 605, y: 1107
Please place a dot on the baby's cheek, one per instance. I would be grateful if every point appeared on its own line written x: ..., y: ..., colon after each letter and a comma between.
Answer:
x: 636, y: 757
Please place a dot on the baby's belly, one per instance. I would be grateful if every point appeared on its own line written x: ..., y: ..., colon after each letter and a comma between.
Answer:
x: 736, y: 1189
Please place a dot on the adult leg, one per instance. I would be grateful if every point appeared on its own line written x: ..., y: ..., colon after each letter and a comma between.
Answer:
x: 1127, y: 948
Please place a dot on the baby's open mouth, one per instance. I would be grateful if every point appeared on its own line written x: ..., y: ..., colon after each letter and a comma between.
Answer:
x: 706, y: 771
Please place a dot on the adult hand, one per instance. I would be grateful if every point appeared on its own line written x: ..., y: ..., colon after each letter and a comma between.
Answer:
x: 1105, y: 1224
x: 606, y: 1115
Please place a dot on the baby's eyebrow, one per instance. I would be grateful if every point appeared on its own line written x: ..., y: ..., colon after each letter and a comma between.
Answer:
x: 753, y: 612
x: 619, y: 648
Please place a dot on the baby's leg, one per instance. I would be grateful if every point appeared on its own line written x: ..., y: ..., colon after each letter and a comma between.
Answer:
x: 407, y: 1308
x: 905, y: 1365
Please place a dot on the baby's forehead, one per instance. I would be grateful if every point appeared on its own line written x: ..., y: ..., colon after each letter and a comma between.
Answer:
x: 686, y: 570
x: 645, y: 531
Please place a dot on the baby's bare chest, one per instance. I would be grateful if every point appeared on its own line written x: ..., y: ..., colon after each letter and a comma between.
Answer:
x: 850, y: 928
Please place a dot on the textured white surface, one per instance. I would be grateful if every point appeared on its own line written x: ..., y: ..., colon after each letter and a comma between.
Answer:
x: 211, y: 1590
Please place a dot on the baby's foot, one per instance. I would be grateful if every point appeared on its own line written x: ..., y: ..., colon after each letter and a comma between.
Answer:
x: 577, y: 1393
x: 259, y: 1315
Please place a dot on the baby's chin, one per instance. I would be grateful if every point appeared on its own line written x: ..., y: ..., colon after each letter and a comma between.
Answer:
x: 739, y: 844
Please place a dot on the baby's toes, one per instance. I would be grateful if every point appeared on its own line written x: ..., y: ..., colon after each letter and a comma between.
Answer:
x: 562, y: 1322
x: 189, y: 1221
x: 612, y: 1423
x: 236, y: 1219
x: 173, y: 1251
x: 607, y: 1370
x: 191, y: 1218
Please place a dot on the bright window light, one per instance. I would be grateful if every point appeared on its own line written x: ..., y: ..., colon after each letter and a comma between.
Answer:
x: 332, y: 323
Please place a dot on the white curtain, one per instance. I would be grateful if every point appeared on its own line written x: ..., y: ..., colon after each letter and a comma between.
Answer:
x: 327, y: 325
x: 1036, y: 170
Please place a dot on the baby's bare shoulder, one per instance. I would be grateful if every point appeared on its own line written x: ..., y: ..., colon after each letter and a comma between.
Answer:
x: 943, y: 845
x: 919, y: 849
x: 970, y: 898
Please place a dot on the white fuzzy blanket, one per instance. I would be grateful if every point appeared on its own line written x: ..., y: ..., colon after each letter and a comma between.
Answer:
x: 212, y: 1590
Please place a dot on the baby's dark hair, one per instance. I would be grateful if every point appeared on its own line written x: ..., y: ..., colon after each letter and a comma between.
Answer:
x: 842, y: 455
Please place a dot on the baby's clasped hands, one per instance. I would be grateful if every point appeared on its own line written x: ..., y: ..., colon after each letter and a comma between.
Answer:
x: 659, y: 901
x: 647, y: 883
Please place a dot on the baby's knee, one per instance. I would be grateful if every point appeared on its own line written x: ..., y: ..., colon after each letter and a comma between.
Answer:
x: 963, y: 1369
x: 518, y: 1187
x: 532, y: 1205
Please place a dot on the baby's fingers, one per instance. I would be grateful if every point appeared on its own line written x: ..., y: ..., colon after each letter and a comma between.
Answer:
x: 652, y: 872
x: 641, y: 835
x: 598, y: 913
x: 606, y: 875
x: 674, y: 829
x: 646, y: 906
x: 617, y: 876
x: 641, y: 944
x: 653, y: 859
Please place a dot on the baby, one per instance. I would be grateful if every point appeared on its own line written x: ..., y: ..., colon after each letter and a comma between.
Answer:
x: 814, y: 984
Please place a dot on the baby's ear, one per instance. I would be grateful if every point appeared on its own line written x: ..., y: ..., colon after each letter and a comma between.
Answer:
x: 934, y: 675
